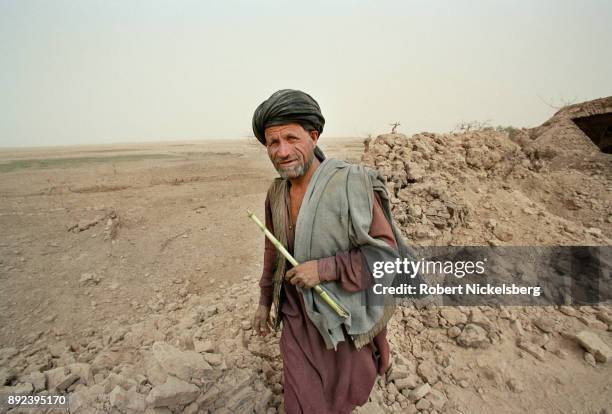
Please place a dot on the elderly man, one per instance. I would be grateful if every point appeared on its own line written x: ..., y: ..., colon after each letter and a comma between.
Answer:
x: 335, y: 219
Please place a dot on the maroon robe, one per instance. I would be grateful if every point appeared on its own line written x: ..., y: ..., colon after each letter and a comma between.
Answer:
x: 316, y: 379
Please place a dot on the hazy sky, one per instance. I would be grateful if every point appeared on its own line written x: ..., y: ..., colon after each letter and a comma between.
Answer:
x: 85, y: 71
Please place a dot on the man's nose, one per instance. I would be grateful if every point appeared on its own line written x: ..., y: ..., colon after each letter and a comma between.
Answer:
x: 284, y: 150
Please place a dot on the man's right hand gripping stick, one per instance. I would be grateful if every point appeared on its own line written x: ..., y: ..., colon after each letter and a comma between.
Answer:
x: 320, y: 291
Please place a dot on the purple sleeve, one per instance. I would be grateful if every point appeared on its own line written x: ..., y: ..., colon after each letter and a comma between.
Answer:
x: 266, y: 283
x: 349, y: 268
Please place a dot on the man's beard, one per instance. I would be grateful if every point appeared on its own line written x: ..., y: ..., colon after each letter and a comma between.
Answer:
x: 295, y: 171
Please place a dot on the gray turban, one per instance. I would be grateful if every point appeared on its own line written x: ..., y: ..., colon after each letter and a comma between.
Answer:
x: 288, y: 106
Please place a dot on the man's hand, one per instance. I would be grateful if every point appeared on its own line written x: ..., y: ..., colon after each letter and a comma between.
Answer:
x: 261, y: 320
x: 305, y: 275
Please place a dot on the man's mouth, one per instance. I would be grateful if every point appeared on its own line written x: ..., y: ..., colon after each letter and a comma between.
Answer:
x: 286, y: 163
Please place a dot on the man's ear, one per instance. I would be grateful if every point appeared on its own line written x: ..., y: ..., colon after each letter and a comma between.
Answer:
x: 314, y: 135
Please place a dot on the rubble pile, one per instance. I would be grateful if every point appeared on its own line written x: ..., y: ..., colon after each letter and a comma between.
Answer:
x: 198, y: 357
x: 443, y: 353
x: 203, y: 356
x: 543, y: 186
x: 482, y: 187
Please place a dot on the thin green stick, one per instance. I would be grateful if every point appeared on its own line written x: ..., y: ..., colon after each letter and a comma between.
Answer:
x: 320, y: 291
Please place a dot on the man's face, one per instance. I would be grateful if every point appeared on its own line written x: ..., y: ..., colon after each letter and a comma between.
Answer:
x: 291, y: 149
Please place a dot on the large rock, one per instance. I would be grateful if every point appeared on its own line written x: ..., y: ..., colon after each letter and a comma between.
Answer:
x: 127, y: 401
x: 428, y: 371
x: 503, y: 232
x: 595, y: 345
x: 186, y: 365
x: 206, y: 400
x: 263, y: 400
x: 59, y: 349
x: 453, y: 332
x: 473, y: 336
x: 172, y: 393
x: 437, y: 399
x: 154, y: 372
x: 83, y: 399
x: 409, y: 382
x: 480, y: 319
x: 423, y: 405
x: 83, y: 371
x: 112, y: 380
x: 56, y: 376
x: 203, y: 346
x: 216, y: 360
x: 398, y: 372
x: 242, y: 401
x: 532, y: 349
x: 143, y: 333
x: 67, y: 382
x: 546, y: 324
x: 419, y: 392
x: 38, y: 380
x: 453, y: 315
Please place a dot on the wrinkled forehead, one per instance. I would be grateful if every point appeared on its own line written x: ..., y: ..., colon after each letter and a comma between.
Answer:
x: 284, y: 130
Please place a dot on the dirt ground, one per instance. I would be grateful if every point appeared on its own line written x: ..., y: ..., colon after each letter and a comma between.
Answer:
x: 180, y: 213
x: 107, y: 250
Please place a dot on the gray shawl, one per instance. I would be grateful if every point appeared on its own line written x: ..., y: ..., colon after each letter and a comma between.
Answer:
x: 335, y: 215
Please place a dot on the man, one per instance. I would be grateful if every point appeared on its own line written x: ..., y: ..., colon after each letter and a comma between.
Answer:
x: 335, y: 219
